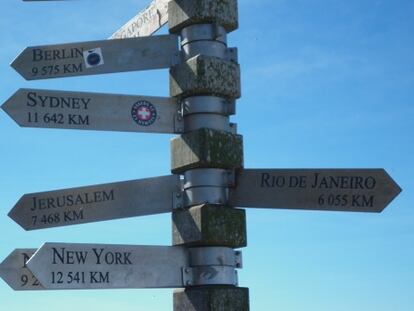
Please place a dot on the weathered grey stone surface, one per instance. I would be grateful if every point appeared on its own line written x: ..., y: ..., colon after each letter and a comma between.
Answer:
x: 206, y: 148
x: 216, y: 298
x: 182, y: 13
x: 205, y: 75
x: 210, y: 225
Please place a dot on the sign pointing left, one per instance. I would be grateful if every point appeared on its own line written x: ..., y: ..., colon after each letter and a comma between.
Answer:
x: 96, y: 57
x: 105, y: 266
x: 14, y: 271
x: 73, y: 206
x: 93, y: 111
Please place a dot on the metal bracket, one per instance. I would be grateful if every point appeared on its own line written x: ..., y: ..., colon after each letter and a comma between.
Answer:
x: 207, y: 105
x: 238, y: 259
x: 232, y: 55
x: 218, y: 31
x: 179, y: 120
x: 214, y: 256
x: 203, y: 32
x: 176, y: 58
x: 177, y: 200
x: 230, y: 106
x: 233, y: 128
x: 209, y: 177
x: 209, y: 275
x: 207, y: 186
x: 231, y: 177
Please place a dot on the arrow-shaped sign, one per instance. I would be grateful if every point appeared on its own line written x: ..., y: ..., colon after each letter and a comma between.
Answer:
x: 93, y: 111
x: 14, y: 272
x: 146, y: 22
x: 354, y: 190
x: 96, y: 57
x: 96, y: 203
x: 99, y: 266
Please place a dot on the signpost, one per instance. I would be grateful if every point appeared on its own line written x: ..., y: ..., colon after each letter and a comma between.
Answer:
x: 353, y: 190
x: 96, y: 203
x: 205, y: 80
x: 14, y: 271
x: 146, y: 22
x: 96, y: 57
x: 93, y: 111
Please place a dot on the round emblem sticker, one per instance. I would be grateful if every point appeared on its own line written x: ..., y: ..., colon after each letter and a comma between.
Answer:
x: 144, y: 113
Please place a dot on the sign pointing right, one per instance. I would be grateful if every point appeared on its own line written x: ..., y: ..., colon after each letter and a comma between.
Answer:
x: 146, y: 22
x: 352, y: 190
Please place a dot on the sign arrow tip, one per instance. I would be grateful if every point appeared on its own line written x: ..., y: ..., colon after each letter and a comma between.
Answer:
x: 394, y: 189
x: 14, y: 63
x: 7, y: 104
x: 11, y: 106
x: 2, y: 268
x: 19, y: 64
x: 16, y: 216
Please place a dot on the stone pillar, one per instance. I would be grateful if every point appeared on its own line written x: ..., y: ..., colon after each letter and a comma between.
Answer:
x: 207, y: 83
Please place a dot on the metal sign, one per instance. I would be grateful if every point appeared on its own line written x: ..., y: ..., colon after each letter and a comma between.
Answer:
x: 96, y: 203
x: 99, y: 266
x: 146, y: 22
x: 96, y: 57
x: 14, y: 271
x: 93, y: 111
x: 354, y: 190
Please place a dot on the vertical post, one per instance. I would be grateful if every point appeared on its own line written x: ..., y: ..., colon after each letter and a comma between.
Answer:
x: 207, y: 83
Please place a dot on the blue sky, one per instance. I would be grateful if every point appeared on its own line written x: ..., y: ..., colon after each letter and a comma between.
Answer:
x: 325, y: 84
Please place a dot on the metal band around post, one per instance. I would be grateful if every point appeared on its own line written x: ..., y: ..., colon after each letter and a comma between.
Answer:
x: 210, y: 275
x: 214, y: 256
x: 208, y: 104
x: 212, y: 266
x: 203, y: 32
x: 216, y: 122
x: 206, y: 39
x: 211, y: 177
x: 207, y: 186
x: 207, y: 112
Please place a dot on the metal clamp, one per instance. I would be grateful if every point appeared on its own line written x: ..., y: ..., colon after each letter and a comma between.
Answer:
x: 207, y: 105
x: 203, y: 32
x: 207, y: 112
x: 216, y: 122
x: 208, y: 177
x: 179, y: 120
x: 232, y: 55
x: 204, y: 39
x: 212, y: 266
x: 207, y: 186
x: 238, y: 259
x: 177, y: 200
x: 233, y: 128
x: 216, y: 255
x: 209, y: 275
x: 176, y: 58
